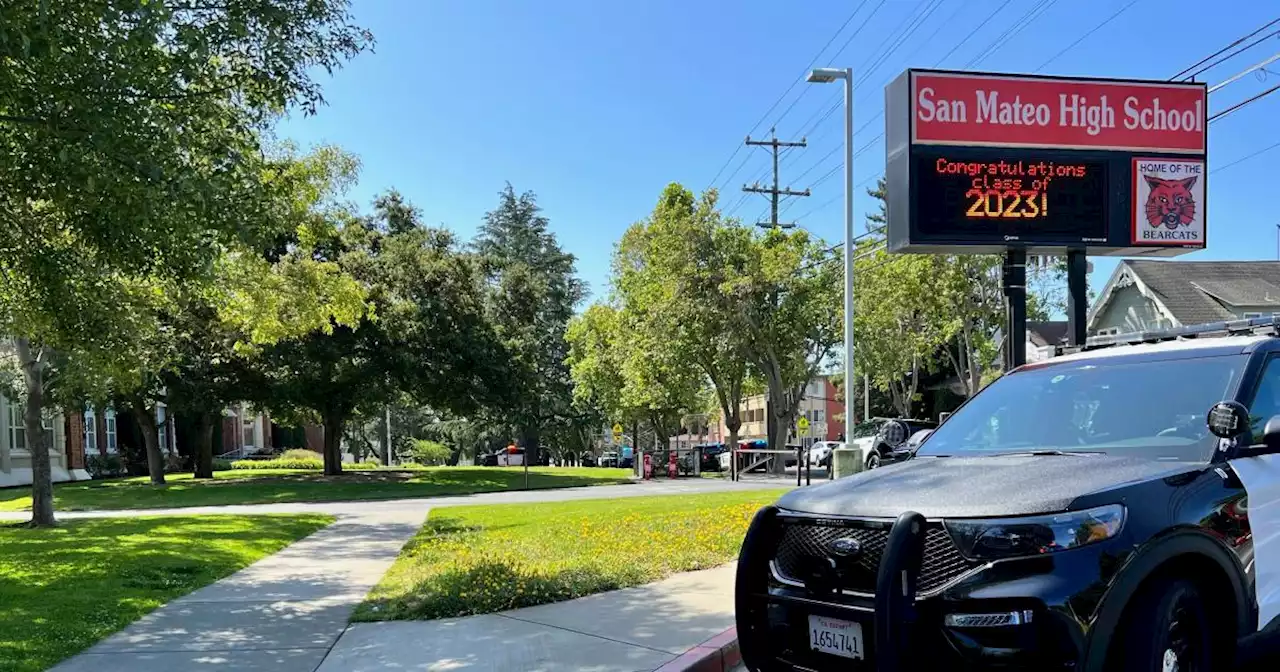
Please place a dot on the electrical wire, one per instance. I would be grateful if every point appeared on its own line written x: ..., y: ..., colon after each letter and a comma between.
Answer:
x: 788, y: 90
x: 1260, y: 66
x: 973, y: 32
x: 1091, y: 31
x: 1224, y: 49
x: 1014, y: 28
x: 1246, y: 157
x: 1252, y: 99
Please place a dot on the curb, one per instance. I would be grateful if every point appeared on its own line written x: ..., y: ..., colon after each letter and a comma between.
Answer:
x: 718, y: 654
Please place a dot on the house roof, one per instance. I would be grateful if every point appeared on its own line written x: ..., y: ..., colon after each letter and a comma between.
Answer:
x: 1195, y: 292
x: 1051, y: 332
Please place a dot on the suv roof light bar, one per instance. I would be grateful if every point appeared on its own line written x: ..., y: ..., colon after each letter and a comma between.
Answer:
x: 1245, y: 326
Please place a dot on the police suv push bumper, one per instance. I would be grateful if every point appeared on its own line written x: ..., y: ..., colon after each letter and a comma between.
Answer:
x: 892, y: 619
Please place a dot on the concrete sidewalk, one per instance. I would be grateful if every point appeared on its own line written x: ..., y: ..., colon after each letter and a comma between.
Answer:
x: 621, y: 631
x: 282, y: 613
x: 393, y: 507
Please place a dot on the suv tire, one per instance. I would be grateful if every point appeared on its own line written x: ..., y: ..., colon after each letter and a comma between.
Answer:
x: 873, y: 460
x: 1167, y: 629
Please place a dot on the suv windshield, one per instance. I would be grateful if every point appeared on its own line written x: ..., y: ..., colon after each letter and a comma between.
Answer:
x: 1150, y: 409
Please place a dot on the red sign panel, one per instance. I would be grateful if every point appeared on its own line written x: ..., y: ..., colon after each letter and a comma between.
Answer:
x: 1010, y: 111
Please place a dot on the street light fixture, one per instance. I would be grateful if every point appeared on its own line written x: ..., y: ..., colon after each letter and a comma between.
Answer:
x: 826, y: 76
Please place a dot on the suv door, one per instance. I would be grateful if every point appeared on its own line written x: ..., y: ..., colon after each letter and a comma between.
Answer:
x: 1261, y: 478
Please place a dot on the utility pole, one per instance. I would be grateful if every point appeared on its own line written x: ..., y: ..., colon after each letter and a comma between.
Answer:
x: 775, y: 193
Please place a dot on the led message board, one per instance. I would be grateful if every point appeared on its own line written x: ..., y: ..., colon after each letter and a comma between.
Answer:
x: 992, y: 162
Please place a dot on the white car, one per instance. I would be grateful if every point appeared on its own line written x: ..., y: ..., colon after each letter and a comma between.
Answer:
x: 820, y: 452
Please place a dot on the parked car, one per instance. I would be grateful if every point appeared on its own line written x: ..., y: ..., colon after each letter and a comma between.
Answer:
x: 820, y: 453
x: 711, y: 457
x: 1108, y: 509
x: 489, y: 460
x: 609, y: 459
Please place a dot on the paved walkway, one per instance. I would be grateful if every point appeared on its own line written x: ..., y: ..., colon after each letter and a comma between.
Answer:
x: 397, y: 506
x: 289, y: 612
x: 621, y: 631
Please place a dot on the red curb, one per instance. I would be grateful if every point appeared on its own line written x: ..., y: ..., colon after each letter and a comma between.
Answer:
x: 718, y: 654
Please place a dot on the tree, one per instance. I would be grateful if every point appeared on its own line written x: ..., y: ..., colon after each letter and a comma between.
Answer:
x: 788, y: 293
x: 425, y: 334
x: 147, y: 114
x: 531, y: 292
x: 670, y: 273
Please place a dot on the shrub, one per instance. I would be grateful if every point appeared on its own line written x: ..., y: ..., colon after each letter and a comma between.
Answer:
x: 367, y: 465
x: 278, y: 463
x: 221, y: 465
x: 429, y: 452
x: 104, y: 467
x: 300, y: 454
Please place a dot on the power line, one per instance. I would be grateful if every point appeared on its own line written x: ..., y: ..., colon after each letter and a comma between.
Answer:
x: 1232, y: 55
x: 1242, y: 159
x: 1091, y: 31
x: 1241, y: 104
x: 1017, y: 26
x: 788, y: 90
x: 1260, y: 66
x: 1229, y: 46
x: 973, y: 32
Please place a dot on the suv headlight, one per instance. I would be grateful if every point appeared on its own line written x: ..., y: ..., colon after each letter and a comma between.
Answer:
x: 995, y: 538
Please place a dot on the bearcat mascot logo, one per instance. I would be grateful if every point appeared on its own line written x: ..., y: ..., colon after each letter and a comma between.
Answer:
x: 1170, y: 203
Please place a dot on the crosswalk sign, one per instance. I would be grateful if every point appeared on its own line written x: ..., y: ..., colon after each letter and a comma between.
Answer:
x: 803, y: 425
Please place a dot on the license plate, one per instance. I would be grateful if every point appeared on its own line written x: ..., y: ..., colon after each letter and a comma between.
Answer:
x: 834, y: 636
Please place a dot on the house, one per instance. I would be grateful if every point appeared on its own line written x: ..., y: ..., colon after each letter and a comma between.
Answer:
x: 65, y: 457
x: 1043, y: 337
x: 1149, y: 294
x: 819, y: 405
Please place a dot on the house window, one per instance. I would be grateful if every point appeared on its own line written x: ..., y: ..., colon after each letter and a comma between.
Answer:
x: 110, y: 416
x: 819, y: 416
x: 17, y: 430
x: 90, y: 431
x: 247, y: 423
x: 162, y: 427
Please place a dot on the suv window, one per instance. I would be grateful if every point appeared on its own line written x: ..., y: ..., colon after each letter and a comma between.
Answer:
x: 1266, y: 400
x: 1152, y: 409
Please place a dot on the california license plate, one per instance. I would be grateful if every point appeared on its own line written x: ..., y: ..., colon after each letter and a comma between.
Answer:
x: 834, y: 636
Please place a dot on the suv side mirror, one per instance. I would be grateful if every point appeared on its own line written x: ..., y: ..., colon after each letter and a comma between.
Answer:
x: 1227, y: 419
x: 1270, y: 444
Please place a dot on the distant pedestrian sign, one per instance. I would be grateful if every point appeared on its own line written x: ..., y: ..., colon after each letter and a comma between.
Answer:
x: 803, y: 425
x: 617, y: 428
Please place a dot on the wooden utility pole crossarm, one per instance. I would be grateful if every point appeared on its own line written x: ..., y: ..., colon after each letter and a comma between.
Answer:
x: 776, y: 192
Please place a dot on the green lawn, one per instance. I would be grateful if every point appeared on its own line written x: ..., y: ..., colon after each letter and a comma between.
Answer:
x: 267, y: 486
x: 475, y: 560
x: 67, y: 587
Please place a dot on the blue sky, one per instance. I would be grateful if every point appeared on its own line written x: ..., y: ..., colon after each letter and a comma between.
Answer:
x: 596, y: 106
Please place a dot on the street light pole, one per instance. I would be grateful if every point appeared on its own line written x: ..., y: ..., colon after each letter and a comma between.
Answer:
x: 825, y: 75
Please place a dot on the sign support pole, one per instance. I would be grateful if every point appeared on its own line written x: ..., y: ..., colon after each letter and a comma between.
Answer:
x: 1077, y: 297
x: 1015, y: 292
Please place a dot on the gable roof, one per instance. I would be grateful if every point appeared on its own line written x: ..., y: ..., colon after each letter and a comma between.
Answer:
x: 1196, y: 292
x: 1045, y: 333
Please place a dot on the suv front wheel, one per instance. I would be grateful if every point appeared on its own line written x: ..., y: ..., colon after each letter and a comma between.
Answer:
x: 1167, y: 629
x: 873, y: 460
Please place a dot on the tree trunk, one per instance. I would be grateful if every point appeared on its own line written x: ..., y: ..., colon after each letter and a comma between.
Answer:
x: 146, y: 417
x: 204, y: 446
x: 386, y: 437
x: 41, y: 469
x: 334, y: 422
x: 532, y: 445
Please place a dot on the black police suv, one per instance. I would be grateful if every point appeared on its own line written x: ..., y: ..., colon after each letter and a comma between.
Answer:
x: 1089, y: 512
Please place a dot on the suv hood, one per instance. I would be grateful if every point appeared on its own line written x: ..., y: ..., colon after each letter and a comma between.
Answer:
x: 961, y: 487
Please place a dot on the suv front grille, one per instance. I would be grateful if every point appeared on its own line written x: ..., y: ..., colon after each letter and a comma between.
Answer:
x: 805, y: 543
